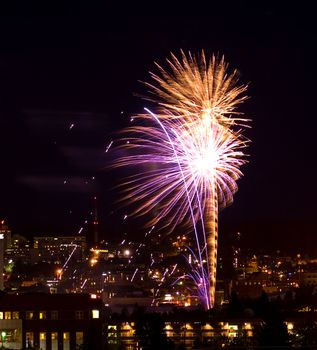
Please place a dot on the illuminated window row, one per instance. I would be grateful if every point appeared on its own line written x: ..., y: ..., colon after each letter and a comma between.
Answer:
x: 43, y: 336
x: 9, y: 315
x: 42, y: 315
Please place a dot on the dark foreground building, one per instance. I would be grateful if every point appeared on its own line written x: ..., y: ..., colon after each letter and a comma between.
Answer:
x: 50, y: 321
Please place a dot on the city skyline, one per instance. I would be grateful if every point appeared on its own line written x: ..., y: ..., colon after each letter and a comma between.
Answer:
x: 64, y: 88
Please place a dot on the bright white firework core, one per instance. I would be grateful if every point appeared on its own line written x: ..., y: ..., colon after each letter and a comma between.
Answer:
x: 205, y: 164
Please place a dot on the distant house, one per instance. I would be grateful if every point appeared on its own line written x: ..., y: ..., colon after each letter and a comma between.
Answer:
x: 252, y: 286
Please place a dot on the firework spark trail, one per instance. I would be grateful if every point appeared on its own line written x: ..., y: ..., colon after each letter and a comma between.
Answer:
x: 83, y: 285
x: 132, y: 278
x: 200, y: 278
x: 70, y: 255
x: 65, y: 266
x: 173, y: 269
x: 162, y: 280
x: 205, y: 298
x: 195, y: 85
x: 191, y: 157
x: 196, y: 159
x: 205, y: 161
x: 155, y: 185
x: 108, y: 147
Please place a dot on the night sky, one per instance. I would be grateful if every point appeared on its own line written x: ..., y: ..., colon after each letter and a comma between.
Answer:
x: 68, y: 79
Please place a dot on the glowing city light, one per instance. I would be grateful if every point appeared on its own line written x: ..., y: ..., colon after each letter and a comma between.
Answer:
x: 127, y: 252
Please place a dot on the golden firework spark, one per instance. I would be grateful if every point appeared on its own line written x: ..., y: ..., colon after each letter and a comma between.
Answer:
x: 192, y: 153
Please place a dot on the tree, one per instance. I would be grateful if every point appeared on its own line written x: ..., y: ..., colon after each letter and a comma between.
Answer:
x: 235, y: 307
x: 150, y: 332
x: 273, y: 331
x: 306, y: 334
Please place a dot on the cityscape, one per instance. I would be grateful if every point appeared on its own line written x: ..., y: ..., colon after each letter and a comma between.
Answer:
x: 109, y: 283
x: 157, y: 181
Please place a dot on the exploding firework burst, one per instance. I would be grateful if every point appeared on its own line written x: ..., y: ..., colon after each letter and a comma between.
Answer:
x: 195, y: 86
x: 190, y: 155
x: 178, y: 163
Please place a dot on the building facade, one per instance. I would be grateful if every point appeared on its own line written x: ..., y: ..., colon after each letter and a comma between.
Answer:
x: 58, y: 249
x: 5, y: 242
x: 50, y: 321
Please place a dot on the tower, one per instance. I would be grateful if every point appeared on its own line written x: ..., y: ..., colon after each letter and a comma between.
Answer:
x: 95, y: 222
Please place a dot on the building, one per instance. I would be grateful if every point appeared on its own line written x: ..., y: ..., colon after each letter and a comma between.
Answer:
x: 214, y: 335
x: 58, y: 249
x: 309, y: 278
x: 252, y: 286
x: 50, y: 321
x: 18, y: 250
x: 5, y: 242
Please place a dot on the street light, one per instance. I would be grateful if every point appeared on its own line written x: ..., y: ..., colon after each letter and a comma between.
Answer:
x: 59, y: 274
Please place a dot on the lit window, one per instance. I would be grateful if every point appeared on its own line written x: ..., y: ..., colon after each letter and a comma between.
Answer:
x: 42, y: 340
x: 95, y: 313
x: 42, y: 315
x: 1, y: 315
x: 54, y: 340
x: 29, y: 315
x: 15, y: 315
x: 29, y: 338
x: 7, y: 315
x: 66, y: 340
x: 79, y: 339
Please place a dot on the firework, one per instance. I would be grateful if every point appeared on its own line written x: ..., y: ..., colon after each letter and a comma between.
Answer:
x: 193, y: 87
x: 188, y: 154
x: 200, y: 279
